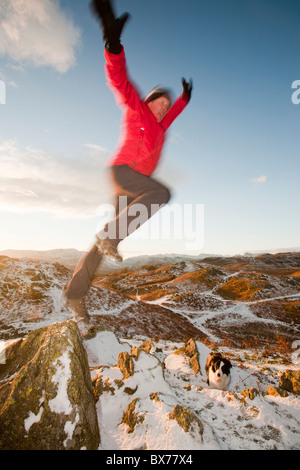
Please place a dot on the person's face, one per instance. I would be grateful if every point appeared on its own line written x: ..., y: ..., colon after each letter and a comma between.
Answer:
x: 159, y: 107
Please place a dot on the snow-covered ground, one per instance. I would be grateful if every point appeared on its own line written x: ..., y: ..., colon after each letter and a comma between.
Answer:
x: 230, y: 421
x: 31, y: 298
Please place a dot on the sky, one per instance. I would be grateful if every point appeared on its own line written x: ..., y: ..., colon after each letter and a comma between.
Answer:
x: 231, y: 159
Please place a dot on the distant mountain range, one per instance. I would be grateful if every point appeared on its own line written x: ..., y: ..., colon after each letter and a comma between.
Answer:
x: 69, y: 256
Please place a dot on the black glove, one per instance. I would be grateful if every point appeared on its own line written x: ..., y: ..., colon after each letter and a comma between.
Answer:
x: 187, y: 88
x: 112, y: 27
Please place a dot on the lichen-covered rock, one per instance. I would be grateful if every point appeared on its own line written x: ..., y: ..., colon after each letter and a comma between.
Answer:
x: 290, y: 381
x: 276, y: 392
x: 250, y: 393
x: 155, y: 396
x: 190, y: 350
x: 125, y: 364
x: 194, y: 363
x: 131, y: 418
x: 145, y: 346
x: 46, y: 398
x: 186, y: 419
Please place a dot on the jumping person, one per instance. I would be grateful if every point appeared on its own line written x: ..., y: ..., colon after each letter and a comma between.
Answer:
x: 146, y: 121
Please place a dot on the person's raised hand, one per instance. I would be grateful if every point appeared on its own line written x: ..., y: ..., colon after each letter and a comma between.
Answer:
x: 112, y: 27
x: 187, y: 88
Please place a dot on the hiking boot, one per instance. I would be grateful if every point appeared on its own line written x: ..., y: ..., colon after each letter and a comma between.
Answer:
x: 107, y: 249
x: 79, y: 311
x: 80, y: 316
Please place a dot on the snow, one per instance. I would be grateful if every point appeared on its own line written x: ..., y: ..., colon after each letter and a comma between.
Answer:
x: 32, y: 418
x: 230, y: 421
x: 3, y: 346
x: 104, y: 349
x: 70, y: 428
x: 60, y: 403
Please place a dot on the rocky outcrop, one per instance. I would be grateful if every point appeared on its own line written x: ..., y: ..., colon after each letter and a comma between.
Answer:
x: 145, y: 346
x: 46, y: 397
x: 276, y: 392
x: 250, y: 393
x: 290, y: 381
x: 148, y: 398
x: 125, y: 364
x: 186, y: 419
x: 190, y: 350
x: 131, y: 418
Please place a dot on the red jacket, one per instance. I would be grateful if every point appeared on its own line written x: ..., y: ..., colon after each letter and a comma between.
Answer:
x: 143, y: 136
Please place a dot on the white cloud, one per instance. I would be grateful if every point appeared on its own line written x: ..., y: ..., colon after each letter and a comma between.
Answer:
x: 7, y: 82
x: 39, y: 33
x: 259, y: 179
x: 34, y: 180
x: 95, y: 147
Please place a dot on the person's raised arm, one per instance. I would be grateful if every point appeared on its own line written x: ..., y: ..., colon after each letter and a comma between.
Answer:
x: 179, y: 104
x: 116, y: 71
x: 112, y: 27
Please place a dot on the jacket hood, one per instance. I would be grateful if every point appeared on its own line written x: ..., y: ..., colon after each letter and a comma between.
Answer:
x: 157, y: 92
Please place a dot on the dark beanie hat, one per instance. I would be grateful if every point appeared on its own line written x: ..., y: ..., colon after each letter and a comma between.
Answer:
x: 157, y: 92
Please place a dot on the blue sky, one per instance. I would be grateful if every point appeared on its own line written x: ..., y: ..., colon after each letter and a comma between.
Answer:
x: 234, y: 151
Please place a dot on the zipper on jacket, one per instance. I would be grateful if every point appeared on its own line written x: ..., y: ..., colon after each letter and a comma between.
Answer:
x: 140, y: 144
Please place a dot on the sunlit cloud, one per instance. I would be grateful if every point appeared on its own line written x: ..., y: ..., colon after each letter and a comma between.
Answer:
x: 259, y: 179
x: 38, y: 32
x: 33, y: 180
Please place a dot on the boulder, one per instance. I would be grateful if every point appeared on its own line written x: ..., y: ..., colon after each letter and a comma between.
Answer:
x: 250, y: 393
x: 46, y: 397
x: 131, y: 418
x: 145, y: 346
x: 290, y: 381
x: 125, y: 364
x: 276, y: 392
x: 186, y: 419
x: 190, y: 350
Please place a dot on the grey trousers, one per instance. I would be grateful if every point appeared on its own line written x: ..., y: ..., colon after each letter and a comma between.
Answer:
x: 134, y: 193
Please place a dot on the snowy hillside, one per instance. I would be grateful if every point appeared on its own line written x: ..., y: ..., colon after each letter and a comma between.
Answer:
x: 164, y: 378
x: 246, y: 308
